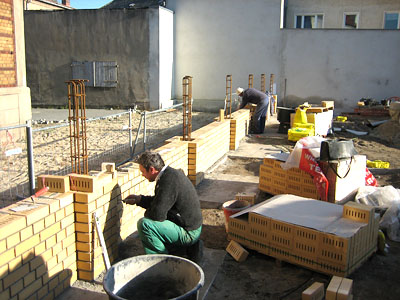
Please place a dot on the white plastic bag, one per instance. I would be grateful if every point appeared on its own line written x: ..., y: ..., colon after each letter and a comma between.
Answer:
x: 386, y: 197
x: 390, y: 222
x: 383, y: 197
x: 313, y: 143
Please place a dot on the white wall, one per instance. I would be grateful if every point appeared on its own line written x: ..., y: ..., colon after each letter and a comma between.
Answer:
x: 339, y: 65
x: 217, y: 38
x: 166, y: 52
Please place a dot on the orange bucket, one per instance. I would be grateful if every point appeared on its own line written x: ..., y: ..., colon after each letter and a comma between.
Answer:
x: 232, y: 207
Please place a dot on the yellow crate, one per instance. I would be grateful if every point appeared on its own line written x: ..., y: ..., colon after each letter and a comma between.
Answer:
x: 294, y: 134
x: 378, y: 164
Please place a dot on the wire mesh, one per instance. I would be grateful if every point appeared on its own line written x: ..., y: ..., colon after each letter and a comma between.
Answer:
x: 13, y: 155
x: 108, y: 140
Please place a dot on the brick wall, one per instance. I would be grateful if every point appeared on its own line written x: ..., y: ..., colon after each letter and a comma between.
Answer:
x: 37, y: 245
x: 46, y: 245
x: 239, y: 127
x: 8, y: 74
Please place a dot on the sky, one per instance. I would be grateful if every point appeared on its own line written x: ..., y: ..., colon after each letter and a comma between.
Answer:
x: 88, y: 4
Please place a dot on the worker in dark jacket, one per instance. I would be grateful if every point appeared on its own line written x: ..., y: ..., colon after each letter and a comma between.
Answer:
x: 254, y: 96
x: 173, y: 216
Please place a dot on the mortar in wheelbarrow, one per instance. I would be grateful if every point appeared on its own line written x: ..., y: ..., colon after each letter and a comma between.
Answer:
x: 155, y: 277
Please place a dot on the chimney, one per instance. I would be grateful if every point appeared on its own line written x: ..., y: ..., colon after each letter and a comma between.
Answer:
x: 66, y: 2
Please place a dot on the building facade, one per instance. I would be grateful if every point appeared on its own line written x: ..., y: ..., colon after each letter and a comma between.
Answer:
x: 46, y: 4
x: 343, y: 14
x: 15, y: 100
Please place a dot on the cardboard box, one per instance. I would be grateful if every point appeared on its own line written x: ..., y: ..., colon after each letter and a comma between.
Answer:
x: 344, y: 177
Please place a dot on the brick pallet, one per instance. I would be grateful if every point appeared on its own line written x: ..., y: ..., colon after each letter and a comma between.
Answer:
x: 275, y: 180
x: 319, y: 249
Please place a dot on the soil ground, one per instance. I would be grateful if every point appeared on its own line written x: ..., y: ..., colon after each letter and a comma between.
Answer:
x: 263, y: 277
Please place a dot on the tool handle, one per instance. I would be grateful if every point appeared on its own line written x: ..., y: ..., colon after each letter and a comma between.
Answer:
x: 42, y: 191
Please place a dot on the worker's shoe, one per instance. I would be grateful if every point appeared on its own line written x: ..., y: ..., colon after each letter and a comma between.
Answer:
x: 195, y: 252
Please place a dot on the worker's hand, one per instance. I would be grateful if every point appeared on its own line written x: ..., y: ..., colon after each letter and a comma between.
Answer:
x: 132, y: 199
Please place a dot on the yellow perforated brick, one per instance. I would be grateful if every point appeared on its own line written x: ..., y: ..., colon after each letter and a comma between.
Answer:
x: 55, y: 183
x: 237, y: 251
x: 314, y: 292
x: 358, y: 212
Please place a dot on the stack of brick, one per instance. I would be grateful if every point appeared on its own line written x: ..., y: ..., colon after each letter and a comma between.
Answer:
x: 317, y: 250
x: 239, y: 127
x: 37, y: 247
x: 275, y: 180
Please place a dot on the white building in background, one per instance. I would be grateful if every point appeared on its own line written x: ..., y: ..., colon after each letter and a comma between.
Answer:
x: 347, y: 14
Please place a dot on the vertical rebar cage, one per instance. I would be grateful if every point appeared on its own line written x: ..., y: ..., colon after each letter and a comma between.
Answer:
x: 187, y: 107
x: 251, y: 77
x: 271, y: 83
x: 228, y: 97
x: 77, y: 126
x: 263, y: 83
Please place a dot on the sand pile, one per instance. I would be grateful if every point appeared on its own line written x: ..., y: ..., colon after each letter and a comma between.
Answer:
x: 389, y: 131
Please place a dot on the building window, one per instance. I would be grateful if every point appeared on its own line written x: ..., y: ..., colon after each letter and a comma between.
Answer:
x: 391, y: 20
x: 350, y: 20
x: 309, y: 21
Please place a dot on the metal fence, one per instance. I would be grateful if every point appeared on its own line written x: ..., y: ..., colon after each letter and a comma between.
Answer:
x: 43, y: 149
